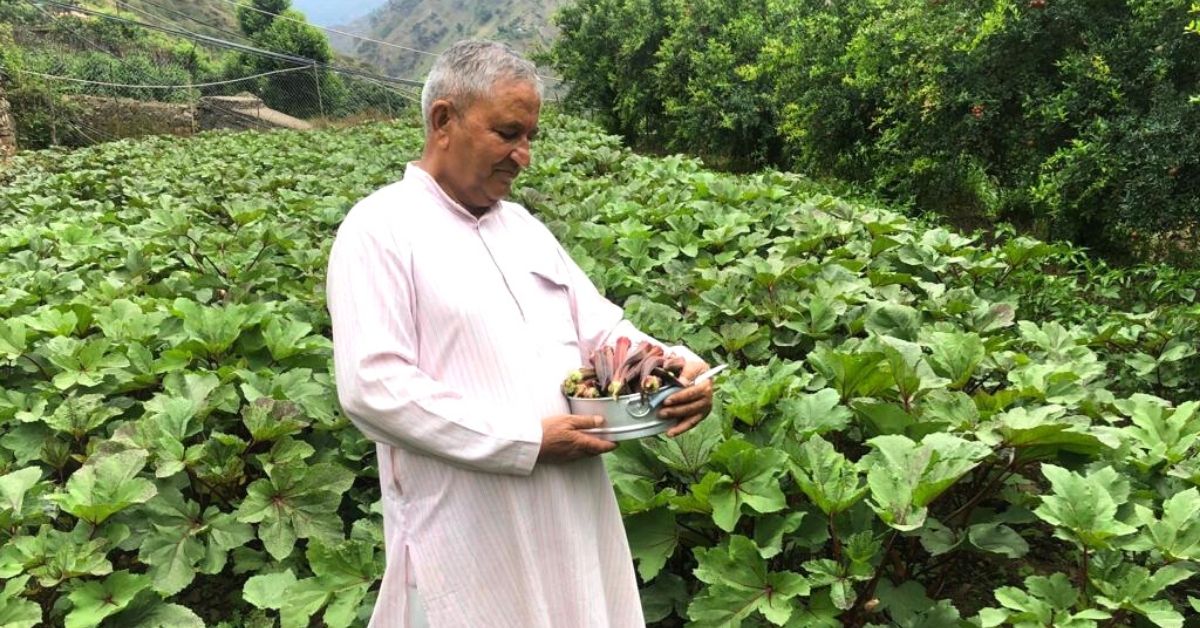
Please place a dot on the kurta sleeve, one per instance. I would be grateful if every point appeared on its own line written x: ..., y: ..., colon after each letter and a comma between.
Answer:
x: 371, y: 303
x: 599, y: 321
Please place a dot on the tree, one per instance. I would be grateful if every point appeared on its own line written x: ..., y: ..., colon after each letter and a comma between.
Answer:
x: 256, y: 17
x: 275, y: 26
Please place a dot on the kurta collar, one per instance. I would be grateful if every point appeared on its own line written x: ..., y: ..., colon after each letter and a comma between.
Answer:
x: 425, y: 179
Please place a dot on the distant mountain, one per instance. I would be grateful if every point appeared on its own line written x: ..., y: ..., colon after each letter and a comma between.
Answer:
x: 432, y: 25
x: 326, y: 13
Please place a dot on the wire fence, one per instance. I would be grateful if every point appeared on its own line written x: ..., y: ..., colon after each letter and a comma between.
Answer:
x: 76, y: 75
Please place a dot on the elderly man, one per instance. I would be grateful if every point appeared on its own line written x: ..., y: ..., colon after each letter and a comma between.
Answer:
x: 456, y: 316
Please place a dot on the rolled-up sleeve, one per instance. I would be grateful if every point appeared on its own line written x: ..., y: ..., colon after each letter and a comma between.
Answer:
x: 371, y: 302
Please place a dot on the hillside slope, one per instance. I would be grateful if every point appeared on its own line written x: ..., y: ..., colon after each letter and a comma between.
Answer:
x: 432, y: 25
x: 207, y: 17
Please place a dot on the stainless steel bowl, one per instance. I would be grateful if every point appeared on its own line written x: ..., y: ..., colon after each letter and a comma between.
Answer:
x: 626, y: 417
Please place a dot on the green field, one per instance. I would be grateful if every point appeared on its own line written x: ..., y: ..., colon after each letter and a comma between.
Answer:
x: 922, y: 428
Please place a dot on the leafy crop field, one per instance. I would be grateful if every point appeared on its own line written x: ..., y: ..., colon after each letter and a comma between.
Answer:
x: 922, y: 428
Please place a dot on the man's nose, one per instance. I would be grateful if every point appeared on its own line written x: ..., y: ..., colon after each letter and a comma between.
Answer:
x: 521, y: 154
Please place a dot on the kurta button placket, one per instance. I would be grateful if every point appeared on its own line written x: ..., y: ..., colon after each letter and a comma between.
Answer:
x: 496, y: 261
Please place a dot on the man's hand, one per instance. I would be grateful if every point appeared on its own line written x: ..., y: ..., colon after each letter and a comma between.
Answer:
x: 562, y: 440
x: 690, y: 405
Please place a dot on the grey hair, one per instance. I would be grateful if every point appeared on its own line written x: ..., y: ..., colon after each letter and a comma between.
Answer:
x: 469, y: 69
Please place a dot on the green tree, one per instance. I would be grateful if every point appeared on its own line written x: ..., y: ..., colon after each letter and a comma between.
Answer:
x: 302, y: 93
x: 257, y: 16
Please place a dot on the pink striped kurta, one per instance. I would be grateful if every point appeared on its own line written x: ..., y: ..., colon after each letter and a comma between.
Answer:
x: 451, y: 337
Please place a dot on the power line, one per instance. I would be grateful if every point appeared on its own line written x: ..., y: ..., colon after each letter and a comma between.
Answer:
x: 85, y: 40
x: 351, y: 35
x: 71, y: 79
x: 327, y: 29
x: 218, y: 42
x: 181, y: 14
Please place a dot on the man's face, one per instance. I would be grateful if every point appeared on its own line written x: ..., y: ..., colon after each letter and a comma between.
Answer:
x: 487, y: 145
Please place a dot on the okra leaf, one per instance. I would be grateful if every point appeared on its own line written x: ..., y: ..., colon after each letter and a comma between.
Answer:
x: 15, y: 611
x: 688, y: 453
x: 14, y: 486
x: 1082, y: 508
x: 829, y: 480
x: 285, y: 338
x: 79, y: 415
x: 740, y: 584
x: 909, y: 607
x: 665, y: 596
x: 997, y: 538
x: 296, y: 501
x: 95, y: 600
x: 1045, y: 601
x: 13, y: 341
x: 1177, y: 534
x: 904, y: 476
x: 1160, y: 433
x: 268, y: 419
x: 751, y: 479
x: 125, y: 322
x: 955, y: 355
x: 895, y: 320
x: 769, y: 531
x: 1133, y: 588
x: 106, y: 485
x: 1040, y: 432
x: 817, y: 413
x: 653, y: 536
x: 265, y: 590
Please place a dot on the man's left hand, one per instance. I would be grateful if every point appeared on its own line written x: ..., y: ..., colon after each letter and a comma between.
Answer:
x: 690, y: 405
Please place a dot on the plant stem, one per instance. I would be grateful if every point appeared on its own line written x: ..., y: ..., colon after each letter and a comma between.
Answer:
x: 964, y: 511
x: 39, y: 366
x: 1083, y: 576
x: 837, y: 542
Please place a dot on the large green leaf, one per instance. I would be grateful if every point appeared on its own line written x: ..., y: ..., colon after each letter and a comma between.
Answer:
x: 817, y: 413
x: 956, y: 355
x: 828, y: 479
x: 106, y: 485
x: 904, y: 476
x: 14, y: 486
x: 15, y: 611
x: 1160, y: 433
x: 181, y: 541
x: 750, y: 479
x: 1045, y: 601
x: 1134, y: 588
x: 1083, y: 508
x: 653, y: 536
x: 296, y: 501
x: 688, y: 453
x: 1177, y: 534
x: 93, y: 601
x: 739, y: 584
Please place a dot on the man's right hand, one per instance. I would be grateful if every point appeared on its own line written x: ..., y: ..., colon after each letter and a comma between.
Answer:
x: 562, y: 440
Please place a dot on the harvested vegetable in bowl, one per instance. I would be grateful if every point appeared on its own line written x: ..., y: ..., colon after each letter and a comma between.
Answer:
x: 625, y: 370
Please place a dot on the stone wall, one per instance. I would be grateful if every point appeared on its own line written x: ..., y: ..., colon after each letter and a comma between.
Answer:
x: 115, y: 118
x: 8, y: 135
x: 125, y: 117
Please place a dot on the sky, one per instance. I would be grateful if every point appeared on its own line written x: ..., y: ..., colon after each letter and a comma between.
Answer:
x: 335, y: 12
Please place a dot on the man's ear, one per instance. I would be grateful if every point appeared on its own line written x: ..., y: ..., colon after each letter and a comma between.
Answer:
x: 441, y: 114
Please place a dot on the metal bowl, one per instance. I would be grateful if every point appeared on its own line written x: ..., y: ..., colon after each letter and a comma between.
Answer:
x: 626, y: 417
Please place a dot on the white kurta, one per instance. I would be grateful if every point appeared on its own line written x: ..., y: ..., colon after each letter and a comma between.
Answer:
x: 451, y: 337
